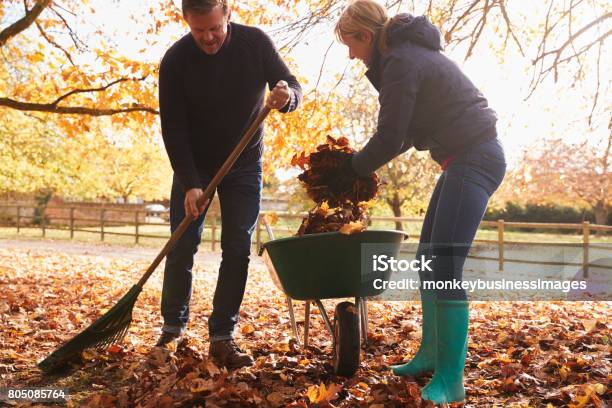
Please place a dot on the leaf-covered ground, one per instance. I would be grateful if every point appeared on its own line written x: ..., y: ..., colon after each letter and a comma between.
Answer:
x: 521, y: 354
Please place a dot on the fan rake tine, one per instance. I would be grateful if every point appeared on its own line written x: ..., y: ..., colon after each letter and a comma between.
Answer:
x: 122, y: 334
x: 117, y: 337
x: 104, y: 343
x: 108, y: 329
x: 108, y: 341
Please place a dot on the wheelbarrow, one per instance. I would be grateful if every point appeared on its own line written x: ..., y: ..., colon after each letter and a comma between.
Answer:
x: 328, y: 266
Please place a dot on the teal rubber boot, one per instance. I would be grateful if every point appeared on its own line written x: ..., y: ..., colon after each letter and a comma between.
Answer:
x: 446, y: 385
x: 425, y: 357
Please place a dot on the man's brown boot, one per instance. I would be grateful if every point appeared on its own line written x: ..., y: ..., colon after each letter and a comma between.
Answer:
x: 168, y: 340
x: 227, y: 353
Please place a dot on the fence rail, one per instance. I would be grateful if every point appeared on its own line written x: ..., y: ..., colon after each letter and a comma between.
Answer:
x: 100, y: 225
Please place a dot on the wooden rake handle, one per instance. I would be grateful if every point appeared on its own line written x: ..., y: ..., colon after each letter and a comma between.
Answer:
x: 208, y: 193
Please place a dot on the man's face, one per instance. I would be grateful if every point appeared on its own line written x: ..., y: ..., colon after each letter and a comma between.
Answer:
x: 209, y: 29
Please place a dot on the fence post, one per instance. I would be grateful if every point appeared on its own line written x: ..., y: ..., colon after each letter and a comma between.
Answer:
x: 71, y: 222
x: 18, y: 218
x: 500, y: 243
x: 585, y: 249
x: 136, y: 226
x: 102, y: 211
x: 213, y: 230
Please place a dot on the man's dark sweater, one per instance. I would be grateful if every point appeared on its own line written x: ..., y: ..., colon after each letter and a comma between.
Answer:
x: 208, y: 101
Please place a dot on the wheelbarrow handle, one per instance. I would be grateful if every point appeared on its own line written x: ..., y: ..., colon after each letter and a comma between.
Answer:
x: 264, y: 221
x: 208, y: 193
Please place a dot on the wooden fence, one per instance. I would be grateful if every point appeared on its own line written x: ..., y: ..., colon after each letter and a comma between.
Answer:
x: 22, y: 217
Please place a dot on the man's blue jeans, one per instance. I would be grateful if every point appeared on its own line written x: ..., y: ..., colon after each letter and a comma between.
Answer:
x: 239, y: 196
x: 455, y: 211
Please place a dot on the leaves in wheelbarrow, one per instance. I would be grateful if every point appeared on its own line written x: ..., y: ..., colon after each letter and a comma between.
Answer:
x: 348, y: 208
x: 352, y: 227
x: 324, y: 219
x: 323, y: 165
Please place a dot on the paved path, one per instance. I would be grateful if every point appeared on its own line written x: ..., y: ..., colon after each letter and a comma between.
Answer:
x: 203, y: 257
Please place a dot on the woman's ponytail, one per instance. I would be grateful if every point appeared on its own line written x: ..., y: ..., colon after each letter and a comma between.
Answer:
x: 383, y: 38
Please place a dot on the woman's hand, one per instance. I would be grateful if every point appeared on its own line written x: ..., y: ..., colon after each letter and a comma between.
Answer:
x: 344, y: 179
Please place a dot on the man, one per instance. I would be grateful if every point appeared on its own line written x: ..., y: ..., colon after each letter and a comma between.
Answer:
x: 211, y: 87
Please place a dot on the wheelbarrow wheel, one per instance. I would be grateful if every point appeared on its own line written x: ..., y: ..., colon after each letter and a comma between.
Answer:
x: 348, y: 341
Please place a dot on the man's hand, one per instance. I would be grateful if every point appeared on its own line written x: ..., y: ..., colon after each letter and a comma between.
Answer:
x: 191, y: 198
x: 279, y: 96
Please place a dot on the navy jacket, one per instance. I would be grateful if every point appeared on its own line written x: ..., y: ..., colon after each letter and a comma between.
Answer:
x: 426, y: 101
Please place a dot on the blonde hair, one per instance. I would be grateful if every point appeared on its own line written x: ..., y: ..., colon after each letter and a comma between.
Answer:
x: 364, y: 15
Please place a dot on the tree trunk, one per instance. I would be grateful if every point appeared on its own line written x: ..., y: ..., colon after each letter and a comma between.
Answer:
x: 396, y: 207
x: 601, y: 213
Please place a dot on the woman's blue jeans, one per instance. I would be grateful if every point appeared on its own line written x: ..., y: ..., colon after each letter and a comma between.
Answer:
x: 239, y: 197
x: 455, y: 211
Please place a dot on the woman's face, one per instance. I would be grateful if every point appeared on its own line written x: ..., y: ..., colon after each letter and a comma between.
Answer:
x: 359, y: 45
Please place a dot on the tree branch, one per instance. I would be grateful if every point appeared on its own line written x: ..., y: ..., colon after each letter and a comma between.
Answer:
x: 596, y: 96
x: 510, y: 31
x: 100, y: 89
x: 53, y: 43
x: 605, y: 158
x: 24, y: 22
x: 463, y: 16
x: 541, y: 67
x: 75, y: 39
x: 475, y: 36
x: 583, y: 50
x: 75, y: 110
x: 570, y: 40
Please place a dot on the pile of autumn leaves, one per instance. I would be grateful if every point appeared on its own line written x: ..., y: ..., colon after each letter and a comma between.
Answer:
x: 333, y: 211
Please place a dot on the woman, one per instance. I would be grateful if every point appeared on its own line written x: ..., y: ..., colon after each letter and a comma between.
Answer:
x: 426, y: 102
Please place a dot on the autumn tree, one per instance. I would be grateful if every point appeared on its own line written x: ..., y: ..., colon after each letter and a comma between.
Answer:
x: 131, y: 167
x: 34, y: 157
x: 567, y: 173
x: 303, y: 129
x: 37, y: 159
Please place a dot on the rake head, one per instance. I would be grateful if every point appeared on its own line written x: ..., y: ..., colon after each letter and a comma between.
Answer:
x: 106, y: 330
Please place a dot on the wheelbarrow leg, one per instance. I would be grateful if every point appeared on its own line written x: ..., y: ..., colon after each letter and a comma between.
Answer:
x: 306, y: 322
x: 327, y: 323
x: 362, y: 305
x: 293, y: 323
x: 325, y: 318
x: 289, y: 302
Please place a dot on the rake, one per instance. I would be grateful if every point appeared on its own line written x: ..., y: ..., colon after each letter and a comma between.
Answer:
x: 113, y: 325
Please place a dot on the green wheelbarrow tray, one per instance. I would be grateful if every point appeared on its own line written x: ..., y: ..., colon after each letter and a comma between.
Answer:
x: 328, y: 265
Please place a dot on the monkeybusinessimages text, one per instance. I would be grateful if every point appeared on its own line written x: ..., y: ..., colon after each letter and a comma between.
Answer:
x: 384, y: 263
